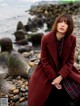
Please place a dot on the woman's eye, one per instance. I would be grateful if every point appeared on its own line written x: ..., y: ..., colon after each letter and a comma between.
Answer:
x: 66, y: 22
x: 63, y: 21
x: 60, y: 21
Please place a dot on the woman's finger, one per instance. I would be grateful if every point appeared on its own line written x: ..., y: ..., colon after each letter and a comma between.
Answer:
x: 58, y: 86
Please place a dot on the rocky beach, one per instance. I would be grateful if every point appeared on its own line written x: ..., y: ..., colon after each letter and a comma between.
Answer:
x: 20, y: 57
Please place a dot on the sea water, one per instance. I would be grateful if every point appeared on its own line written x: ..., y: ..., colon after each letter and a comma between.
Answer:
x: 9, y: 18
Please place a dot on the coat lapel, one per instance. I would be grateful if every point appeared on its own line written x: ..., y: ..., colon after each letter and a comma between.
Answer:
x: 52, y: 47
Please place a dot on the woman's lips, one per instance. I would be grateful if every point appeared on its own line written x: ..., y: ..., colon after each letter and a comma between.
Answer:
x: 62, y: 29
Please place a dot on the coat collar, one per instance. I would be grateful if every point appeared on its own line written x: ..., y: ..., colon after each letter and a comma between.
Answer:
x: 52, y: 47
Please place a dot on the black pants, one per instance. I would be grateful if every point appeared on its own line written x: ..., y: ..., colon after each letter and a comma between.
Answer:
x: 58, y: 98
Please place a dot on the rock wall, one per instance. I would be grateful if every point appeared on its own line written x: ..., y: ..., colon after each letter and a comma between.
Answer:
x: 50, y: 10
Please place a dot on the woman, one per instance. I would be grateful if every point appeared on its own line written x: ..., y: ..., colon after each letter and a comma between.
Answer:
x: 48, y: 82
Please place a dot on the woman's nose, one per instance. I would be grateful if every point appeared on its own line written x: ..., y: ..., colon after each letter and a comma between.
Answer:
x: 63, y: 23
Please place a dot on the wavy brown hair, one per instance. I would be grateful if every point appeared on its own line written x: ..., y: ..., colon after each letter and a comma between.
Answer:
x: 68, y: 19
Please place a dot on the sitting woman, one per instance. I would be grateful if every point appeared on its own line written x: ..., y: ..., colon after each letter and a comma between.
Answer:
x: 52, y: 83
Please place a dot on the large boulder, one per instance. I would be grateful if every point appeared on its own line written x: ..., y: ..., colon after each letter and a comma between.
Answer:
x: 22, y: 42
x: 6, y: 44
x: 19, y: 35
x: 20, y: 26
x: 18, y: 66
x: 35, y: 38
x: 26, y: 48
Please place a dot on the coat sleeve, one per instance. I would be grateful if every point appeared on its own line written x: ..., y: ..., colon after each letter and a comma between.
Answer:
x: 45, y: 60
x: 65, y: 70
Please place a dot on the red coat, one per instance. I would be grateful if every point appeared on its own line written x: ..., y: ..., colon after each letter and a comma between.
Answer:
x: 40, y: 81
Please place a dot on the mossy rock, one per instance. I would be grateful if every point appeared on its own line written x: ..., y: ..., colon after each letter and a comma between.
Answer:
x: 18, y: 66
x: 35, y: 38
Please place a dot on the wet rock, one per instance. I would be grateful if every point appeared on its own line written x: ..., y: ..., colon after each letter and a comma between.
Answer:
x: 6, y: 44
x: 23, y: 90
x: 10, y: 95
x: 15, y: 98
x: 39, y: 20
x: 19, y: 35
x: 32, y: 24
x: 12, y: 88
x: 22, y: 42
x: 18, y: 65
x: 12, y: 104
x: 31, y: 64
x: 35, y: 38
x: 25, y: 103
x: 22, y: 99
x: 38, y: 55
x: 20, y: 26
x: 16, y: 91
x: 26, y: 54
x: 25, y: 49
x: 26, y: 83
x: 27, y: 28
x: 18, y: 78
x: 33, y: 59
x: 23, y: 86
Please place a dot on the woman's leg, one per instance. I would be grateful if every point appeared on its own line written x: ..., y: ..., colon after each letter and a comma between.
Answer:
x: 58, y: 97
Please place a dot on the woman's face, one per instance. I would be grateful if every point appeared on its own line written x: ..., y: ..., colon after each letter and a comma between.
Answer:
x: 62, y: 26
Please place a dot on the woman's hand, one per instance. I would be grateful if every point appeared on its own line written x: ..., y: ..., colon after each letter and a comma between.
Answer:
x: 56, y: 82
